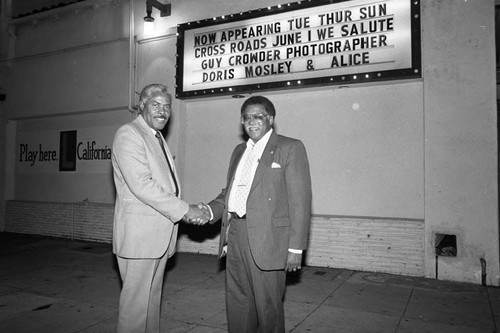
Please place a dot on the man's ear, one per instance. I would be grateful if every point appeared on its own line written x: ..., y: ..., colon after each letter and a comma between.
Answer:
x: 141, y: 106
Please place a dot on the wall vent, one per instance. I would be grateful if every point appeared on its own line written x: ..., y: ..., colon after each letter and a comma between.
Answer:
x: 446, y: 245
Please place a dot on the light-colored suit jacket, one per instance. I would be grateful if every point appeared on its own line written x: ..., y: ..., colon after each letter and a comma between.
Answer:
x: 279, y: 204
x: 146, y: 207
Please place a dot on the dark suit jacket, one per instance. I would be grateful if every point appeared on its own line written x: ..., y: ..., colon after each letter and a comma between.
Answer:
x: 279, y: 204
x: 146, y: 207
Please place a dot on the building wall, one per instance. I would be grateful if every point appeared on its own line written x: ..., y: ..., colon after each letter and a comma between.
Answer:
x: 460, y: 130
x: 392, y: 163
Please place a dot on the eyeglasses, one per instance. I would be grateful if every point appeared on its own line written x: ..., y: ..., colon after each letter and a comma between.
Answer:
x: 258, y: 118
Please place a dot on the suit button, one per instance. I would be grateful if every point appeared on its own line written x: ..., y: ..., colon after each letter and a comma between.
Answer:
x: 269, y: 199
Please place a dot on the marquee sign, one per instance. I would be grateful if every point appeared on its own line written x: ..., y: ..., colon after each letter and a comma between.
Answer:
x: 315, y: 42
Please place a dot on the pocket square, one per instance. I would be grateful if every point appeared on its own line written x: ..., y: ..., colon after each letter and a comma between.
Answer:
x: 275, y: 165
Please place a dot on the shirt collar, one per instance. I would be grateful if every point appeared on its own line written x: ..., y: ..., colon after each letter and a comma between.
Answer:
x: 261, y: 143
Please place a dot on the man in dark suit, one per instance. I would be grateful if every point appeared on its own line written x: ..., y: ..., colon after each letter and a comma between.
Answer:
x: 147, y: 209
x: 265, y: 210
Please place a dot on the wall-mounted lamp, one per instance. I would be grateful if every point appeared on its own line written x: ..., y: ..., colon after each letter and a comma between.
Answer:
x: 165, y: 10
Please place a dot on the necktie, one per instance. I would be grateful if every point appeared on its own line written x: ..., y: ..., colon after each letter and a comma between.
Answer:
x: 158, y: 136
x: 243, y: 187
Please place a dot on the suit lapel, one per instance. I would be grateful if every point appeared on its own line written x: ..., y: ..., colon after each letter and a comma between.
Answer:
x: 265, y: 161
x: 150, y: 138
x: 153, y: 141
x: 169, y: 154
x: 234, y: 165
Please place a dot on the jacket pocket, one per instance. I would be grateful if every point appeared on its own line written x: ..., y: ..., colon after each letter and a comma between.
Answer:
x: 139, y: 209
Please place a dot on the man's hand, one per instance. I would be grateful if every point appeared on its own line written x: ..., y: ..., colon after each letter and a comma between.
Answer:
x: 197, y: 214
x: 293, y: 262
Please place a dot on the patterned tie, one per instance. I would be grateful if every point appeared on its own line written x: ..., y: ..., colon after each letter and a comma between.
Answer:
x: 158, y: 136
x: 243, y: 188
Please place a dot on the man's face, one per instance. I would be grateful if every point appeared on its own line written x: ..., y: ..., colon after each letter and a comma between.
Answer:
x: 256, y: 121
x: 156, y: 111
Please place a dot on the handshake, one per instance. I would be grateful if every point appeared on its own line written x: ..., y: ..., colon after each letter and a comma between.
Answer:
x: 197, y: 214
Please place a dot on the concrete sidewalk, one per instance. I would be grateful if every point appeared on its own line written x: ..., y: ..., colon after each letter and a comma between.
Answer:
x: 55, y: 285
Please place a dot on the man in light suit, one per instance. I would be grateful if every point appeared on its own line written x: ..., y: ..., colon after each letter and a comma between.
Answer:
x: 265, y: 210
x: 147, y: 208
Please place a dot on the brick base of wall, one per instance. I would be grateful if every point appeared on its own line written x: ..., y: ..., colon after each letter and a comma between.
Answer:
x: 367, y: 244
x: 91, y: 221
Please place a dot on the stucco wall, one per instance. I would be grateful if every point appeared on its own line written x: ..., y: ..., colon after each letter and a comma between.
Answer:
x: 460, y: 136
x: 366, y: 160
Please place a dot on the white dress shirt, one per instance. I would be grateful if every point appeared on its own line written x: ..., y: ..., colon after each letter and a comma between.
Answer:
x: 257, y: 148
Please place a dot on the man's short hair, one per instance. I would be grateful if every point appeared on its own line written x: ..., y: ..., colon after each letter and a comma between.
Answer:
x: 260, y: 100
x: 148, y: 91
